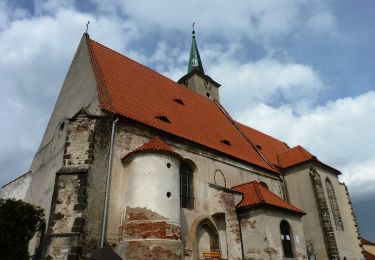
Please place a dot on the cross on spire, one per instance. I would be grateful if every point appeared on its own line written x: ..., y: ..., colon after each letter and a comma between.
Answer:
x: 195, y: 62
x: 87, y: 26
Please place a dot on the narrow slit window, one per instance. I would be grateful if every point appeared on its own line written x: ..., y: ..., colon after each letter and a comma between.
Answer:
x: 187, y: 189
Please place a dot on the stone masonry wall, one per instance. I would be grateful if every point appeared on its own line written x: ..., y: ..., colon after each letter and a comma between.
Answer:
x: 79, y: 143
x: 223, y: 200
x: 65, y: 238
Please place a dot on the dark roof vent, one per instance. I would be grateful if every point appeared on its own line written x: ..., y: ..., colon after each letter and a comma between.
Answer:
x: 179, y: 101
x: 163, y: 118
x: 258, y: 146
x: 224, y: 141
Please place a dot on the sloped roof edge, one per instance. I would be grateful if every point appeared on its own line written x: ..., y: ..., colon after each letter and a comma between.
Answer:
x: 154, y: 145
x: 255, y: 195
x: 123, y: 84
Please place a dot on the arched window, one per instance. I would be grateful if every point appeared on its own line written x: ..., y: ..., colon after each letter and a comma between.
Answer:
x: 186, y: 183
x: 334, y: 206
x: 286, y: 239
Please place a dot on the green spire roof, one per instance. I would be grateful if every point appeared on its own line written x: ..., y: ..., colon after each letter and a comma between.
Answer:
x: 195, y: 62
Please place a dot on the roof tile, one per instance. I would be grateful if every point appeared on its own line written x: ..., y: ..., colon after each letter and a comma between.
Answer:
x: 254, y: 194
x: 132, y: 90
x: 156, y: 145
x: 294, y: 156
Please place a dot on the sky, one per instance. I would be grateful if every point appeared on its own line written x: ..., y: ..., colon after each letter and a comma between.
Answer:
x: 299, y: 70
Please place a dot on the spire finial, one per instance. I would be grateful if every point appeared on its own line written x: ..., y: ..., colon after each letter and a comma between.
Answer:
x: 87, y: 26
x: 195, y: 62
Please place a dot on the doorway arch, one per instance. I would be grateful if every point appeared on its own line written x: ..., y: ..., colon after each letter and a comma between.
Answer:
x: 204, y: 236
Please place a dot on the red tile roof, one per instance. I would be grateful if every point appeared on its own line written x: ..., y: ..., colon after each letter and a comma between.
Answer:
x: 366, y: 242
x: 155, y: 145
x: 268, y: 145
x: 294, y: 156
x: 254, y: 195
x: 134, y: 91
x: 369, y: 256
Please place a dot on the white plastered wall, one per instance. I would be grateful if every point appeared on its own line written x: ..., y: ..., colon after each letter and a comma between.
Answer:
x: 262, y: 236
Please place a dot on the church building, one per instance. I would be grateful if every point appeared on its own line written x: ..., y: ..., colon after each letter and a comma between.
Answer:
x: 158, y: 169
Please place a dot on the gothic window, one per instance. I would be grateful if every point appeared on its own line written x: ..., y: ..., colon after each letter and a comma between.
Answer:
x: 286, y: 239
x: 334, y: 206
x: 186, y: 182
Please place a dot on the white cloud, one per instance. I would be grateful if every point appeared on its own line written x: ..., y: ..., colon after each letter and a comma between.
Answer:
x: 261, y: 21
x: 40, y: 49
x: 339, y: 133
x: 244, y: 85
x: 35, y: 54
x: 266, y: 80
x: 322, y: 22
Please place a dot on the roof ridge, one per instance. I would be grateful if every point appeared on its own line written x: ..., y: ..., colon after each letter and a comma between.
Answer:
x: 263, y: 196
x: 306, y: 152
x: 124, y: 85
x: 243, y: 184
x: 258, y: 192
x: 274, y: 138
x: 264, y: 158
x: 100, y: 82
x: 153, y: 144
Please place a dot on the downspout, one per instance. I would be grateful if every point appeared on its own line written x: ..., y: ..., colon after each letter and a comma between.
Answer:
x: 285, y: 187
x: 107, y: 182
x: 241, y: 239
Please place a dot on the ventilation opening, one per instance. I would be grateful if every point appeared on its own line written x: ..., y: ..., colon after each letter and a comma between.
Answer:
x: 208, y: 94
x: 169, y: 194
x: 224, y: 141
x: 163, y: 118
x: 168, y: 165
x: 179, y: 101
x: 258, y: 146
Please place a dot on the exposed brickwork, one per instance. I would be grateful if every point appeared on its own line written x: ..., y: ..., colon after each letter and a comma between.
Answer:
x: 142, y: 214
x: 231, y: 219
x: 150, y: 235
x: 325, y: 217
x: 226, y: 200
x: 158, y: 230
x: 137, y: 250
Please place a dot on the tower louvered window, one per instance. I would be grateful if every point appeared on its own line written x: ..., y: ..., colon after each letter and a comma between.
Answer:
x: 187, y: 189
x: 334, y: 206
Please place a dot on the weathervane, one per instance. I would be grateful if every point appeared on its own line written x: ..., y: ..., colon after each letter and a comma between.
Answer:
x: 87, y: 26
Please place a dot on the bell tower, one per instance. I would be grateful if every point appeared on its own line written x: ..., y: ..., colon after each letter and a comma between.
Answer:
x: 195, y: 78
